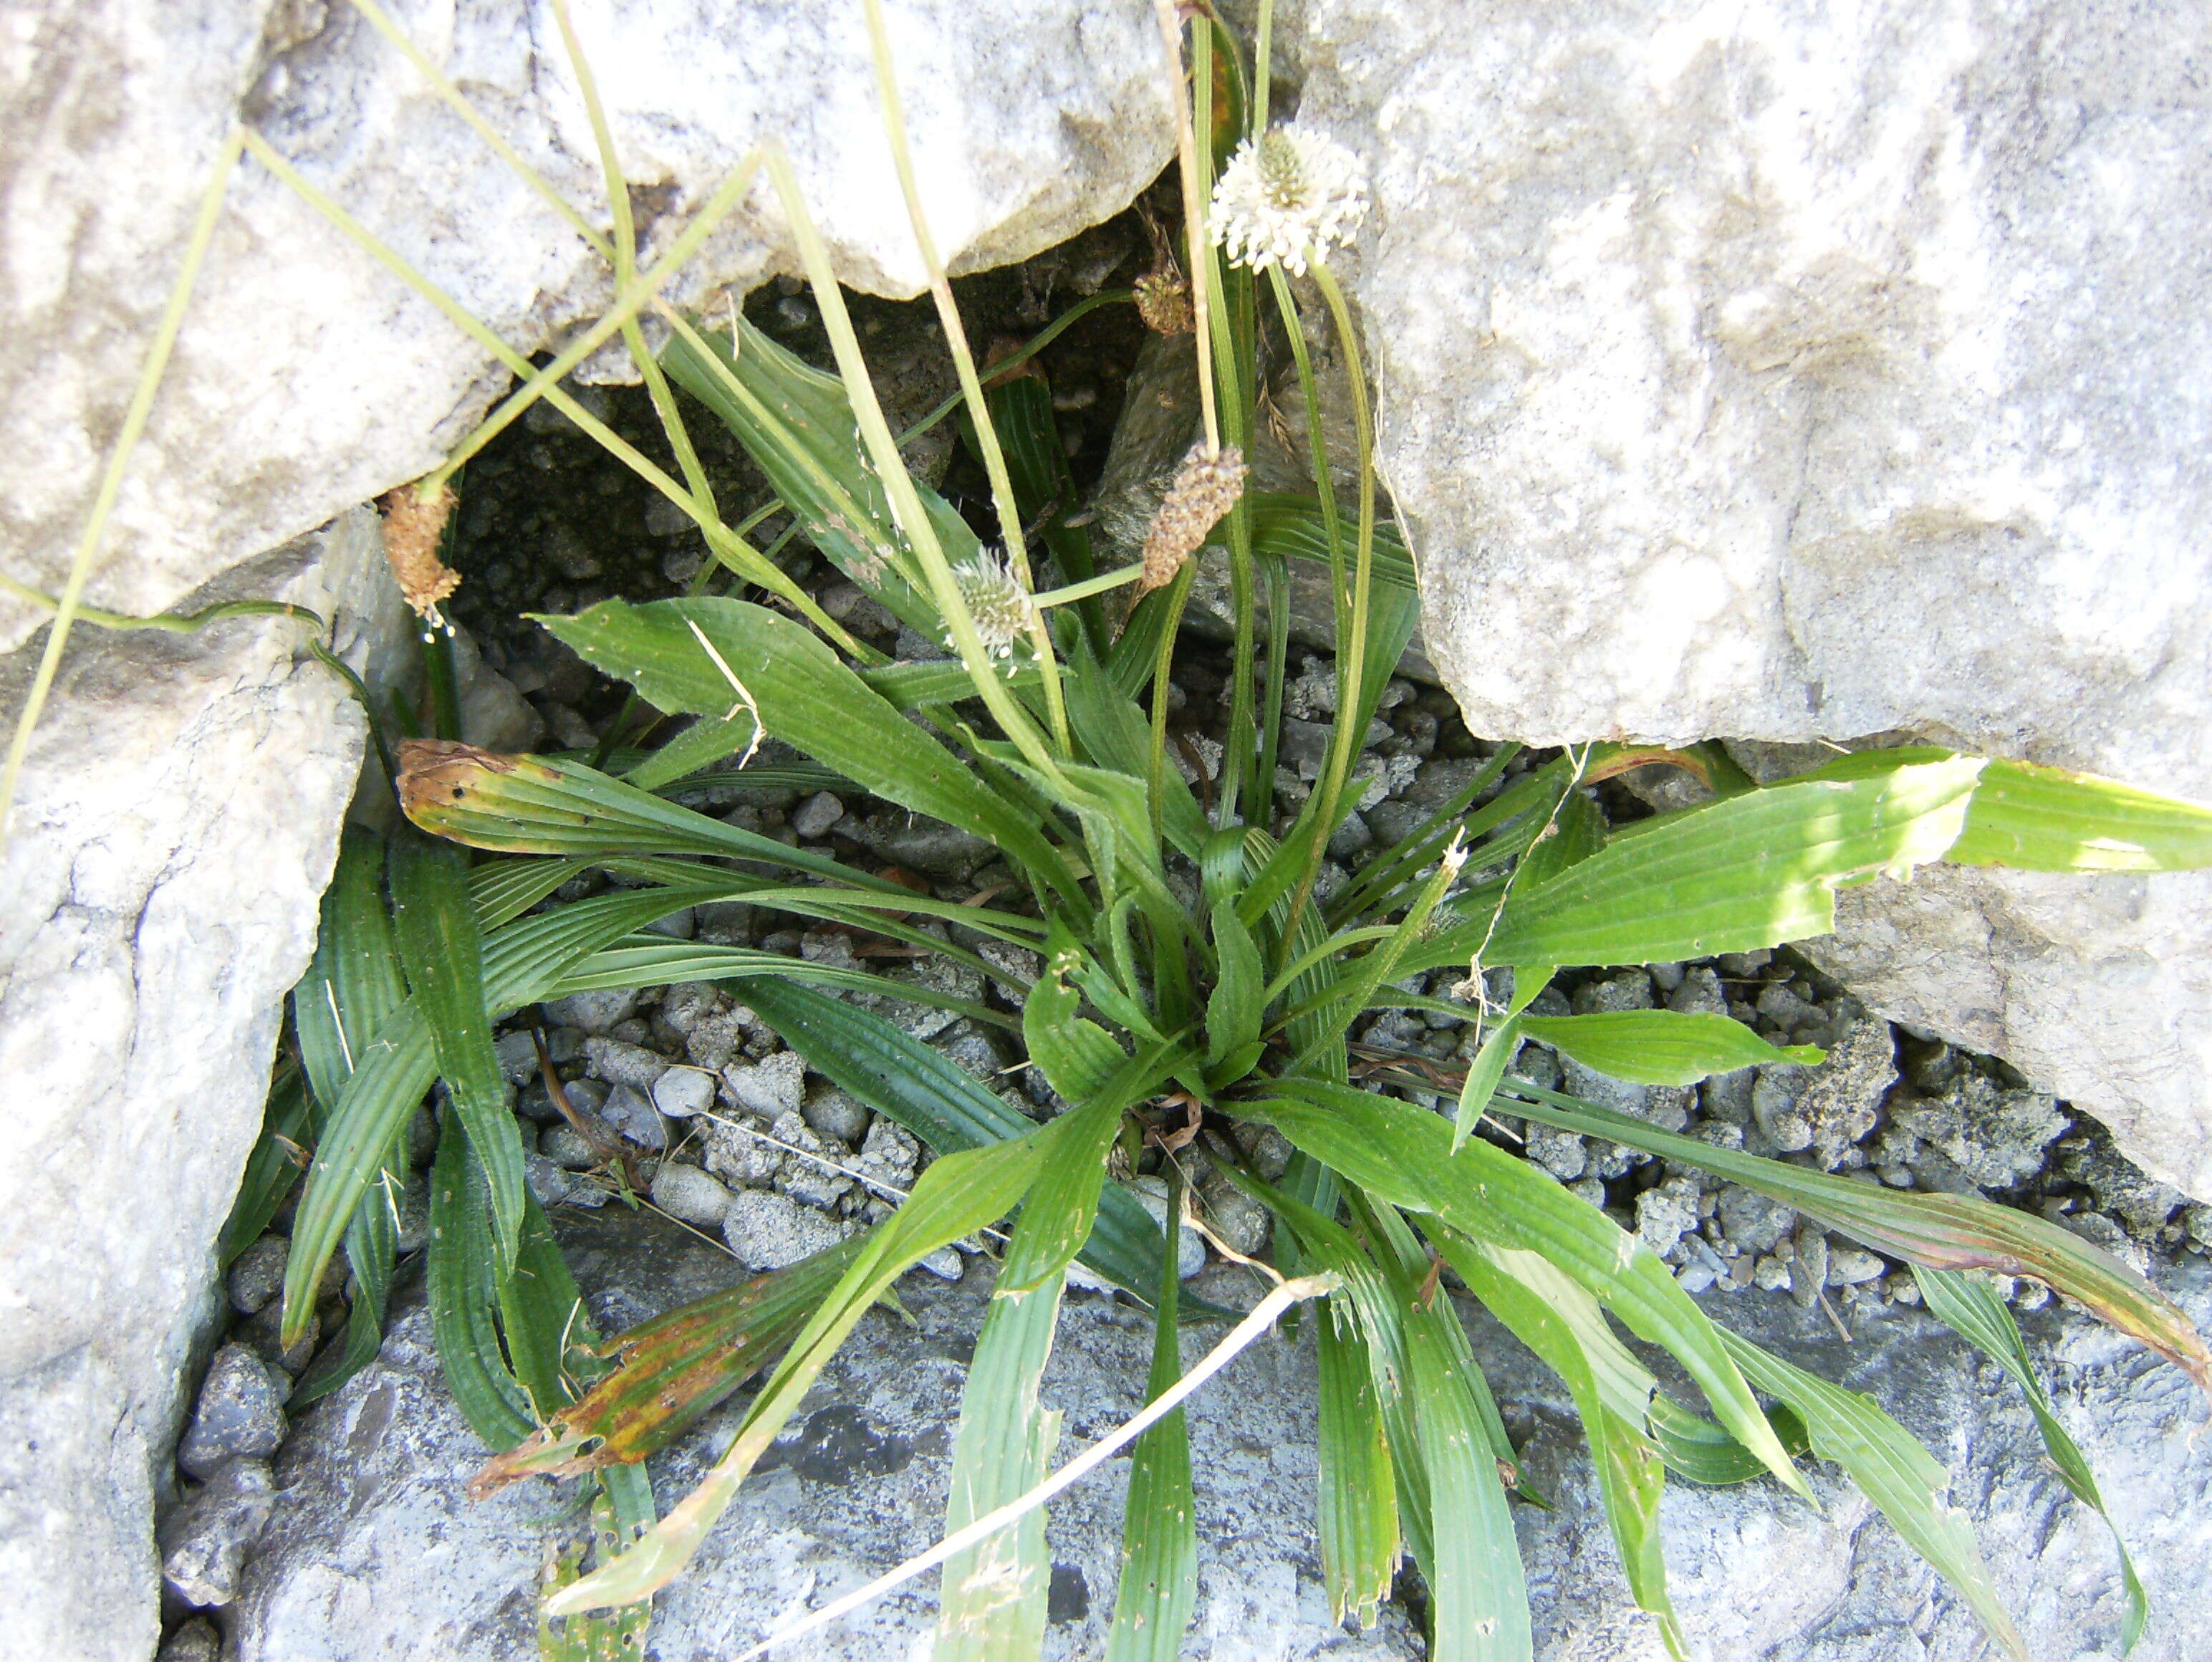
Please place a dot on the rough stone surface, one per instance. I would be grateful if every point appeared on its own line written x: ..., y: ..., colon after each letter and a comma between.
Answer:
x: 2097, y: 988
x: 240, y: 1412
x: 306, y: 383
x: 767, y: 1230
x: 372, y: 1504
x: 686, y: 1192
x: 1795, y: 373
x: 204, y: 1545
x: 177, y: 820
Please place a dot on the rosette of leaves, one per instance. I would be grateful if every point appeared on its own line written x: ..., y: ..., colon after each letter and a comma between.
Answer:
x: 1188, y: 971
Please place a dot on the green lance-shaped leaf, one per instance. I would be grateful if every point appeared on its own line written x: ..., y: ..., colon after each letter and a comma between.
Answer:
x: 1475, y: 1570
x: 907, y: 1082
x: 1575, y: 831
x: 2051, y: 819
x: 957, y: 1194
x: 1497, y: 1050
x: 1630, y: 1474
x: 671, y: 1371
x: 354, y: 981
x: 705, y: 742
x: 505, y: 889
x: 352, y: 985
x: 705, y: 655
x: 1158, y: 1583
x: 1290, y: 525
x: 464, y: 1296
x: 1896, y: 1473
x: 1077, y: 1056
x: 522, y: 962
x: 1971, y: 1308
x: 1942, y: 1231
x: 436, y: 925
x: 1660, y: 1047
x: 992, y: 1602
x: 1404, y: 1156
x: 797, y: 424
x: 1733, y: 875
x: 372, y: 1250
x: 1234, y: 1008
x: 1359, y: 1498
x: 287, y: 1125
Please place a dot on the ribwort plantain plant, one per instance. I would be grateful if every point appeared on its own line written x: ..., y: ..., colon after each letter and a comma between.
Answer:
x: 1189, y: 967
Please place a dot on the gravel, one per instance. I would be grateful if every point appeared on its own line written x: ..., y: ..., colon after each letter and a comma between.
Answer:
x: 768, y: 1231
x: 239, y: 1412
x: 631, y: 1112
x: 204, y: 1542
x: 258, y: 1276
x: 769, y: 1088
x: 686, y: 1193
x: 813, y: 818
x: 682, y: 1093
x: 594, y: 1013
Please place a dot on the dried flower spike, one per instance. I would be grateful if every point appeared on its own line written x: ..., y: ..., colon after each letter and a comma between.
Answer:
x: 413, y: 526
x: 1205, y: 488
x: 1284, y: 199
x: 1163, y: 302
x: 997, y: 601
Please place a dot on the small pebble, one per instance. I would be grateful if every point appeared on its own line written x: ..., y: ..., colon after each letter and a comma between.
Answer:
x: 770, y: 1088
x: 946, y: 1263
x: 556, y: 1187
x: 1849, y: 1266
x: 682, y: 1092
x: 197, y: 1641
x: 619, y: 1064
x: 568, y: 1148
x: 631, y: 1112
x: 768, y: 1231
x: 595, y: 1013
x: 258, y: 1274
x: 239, y: 1412
x: 687, y: 1193
x: 834, y: 1113
x: 813, y: 817
x: 204, y: 1543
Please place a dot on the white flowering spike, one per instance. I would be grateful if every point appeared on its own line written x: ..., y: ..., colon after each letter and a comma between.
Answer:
x: 1285, y: 199
x: 997, y: 601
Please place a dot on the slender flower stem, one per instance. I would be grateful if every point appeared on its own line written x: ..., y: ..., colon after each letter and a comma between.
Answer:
x: 971, y: 385
x: 1194, y: 218
x: 1089, y: 586
x: 1350, y: 650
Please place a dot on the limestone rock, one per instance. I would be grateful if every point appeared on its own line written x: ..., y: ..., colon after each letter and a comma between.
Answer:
x: 177, y: 820
x: 373, y: 1505
x: 1793, y: 374
x: 308, y: 379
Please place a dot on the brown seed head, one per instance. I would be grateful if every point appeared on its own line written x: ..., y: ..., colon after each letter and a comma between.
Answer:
x: 1163, y: 302
x: 413, y: 526
x: 1205, y: 488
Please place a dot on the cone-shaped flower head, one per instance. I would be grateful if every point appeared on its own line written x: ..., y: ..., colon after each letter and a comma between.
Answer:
x: 996, y: 601
x: 1286, y: 198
